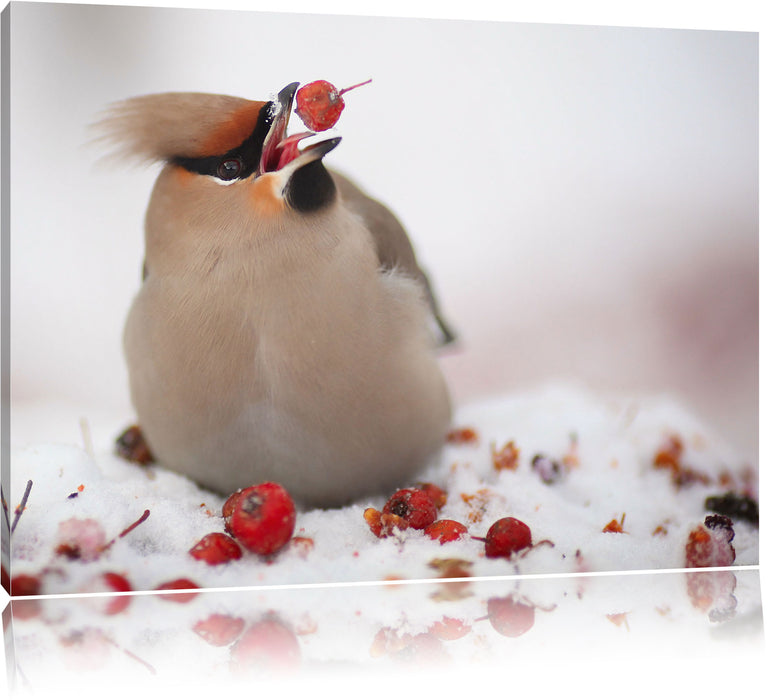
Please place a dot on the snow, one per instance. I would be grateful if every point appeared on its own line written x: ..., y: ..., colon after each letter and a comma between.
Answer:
x: 612, y: 443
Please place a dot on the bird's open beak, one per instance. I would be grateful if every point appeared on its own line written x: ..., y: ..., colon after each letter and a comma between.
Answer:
x: 281, y: 150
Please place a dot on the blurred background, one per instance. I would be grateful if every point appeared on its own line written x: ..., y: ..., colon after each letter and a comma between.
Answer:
x: 585, y: 199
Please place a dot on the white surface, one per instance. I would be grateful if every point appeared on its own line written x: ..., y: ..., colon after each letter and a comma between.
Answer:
x: 617, y: 443
x: 584, y: 198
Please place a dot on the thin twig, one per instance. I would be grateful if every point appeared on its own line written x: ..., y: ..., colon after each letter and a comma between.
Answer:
x: 126, y: 531
x: 5, y: 508
x: 20, y: 508
x: 86, y: 435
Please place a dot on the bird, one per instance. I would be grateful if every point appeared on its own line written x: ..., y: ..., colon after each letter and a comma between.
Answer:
x: 283, y: 330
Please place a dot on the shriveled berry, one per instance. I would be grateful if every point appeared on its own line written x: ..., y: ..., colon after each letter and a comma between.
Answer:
x: 384, y: 524
x: 216, y: 548
x: 413, y: 505
x: 509, y: 617
x: 319, y: 104
x: 177, y: 585
x: 462, y: 436
x: 505, y: 537
x: 131, y: 445
x: 445, y: 530
x: 219, y: 630
x: 264, y: 517
x: 506, y: 458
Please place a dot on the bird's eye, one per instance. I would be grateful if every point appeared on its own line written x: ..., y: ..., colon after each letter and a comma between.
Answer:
x: 229, y: 169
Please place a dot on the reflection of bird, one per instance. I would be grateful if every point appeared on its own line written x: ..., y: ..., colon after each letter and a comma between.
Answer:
x: 282, y: 329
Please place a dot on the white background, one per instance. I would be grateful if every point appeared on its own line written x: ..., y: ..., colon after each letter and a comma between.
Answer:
x: 584, y: 198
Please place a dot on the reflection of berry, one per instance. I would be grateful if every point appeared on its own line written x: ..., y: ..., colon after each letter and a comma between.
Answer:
x: 109, y: 582
x: 709, y: 544
x: 263, y: 518
x: 510, y: 618
x: 505, y: 537
x: 216, y: 548
x: 449, y: 628
x: 413, y: 505
x: 445, y: 530
x: 319, y: 104
x: 178, y: 584
x: 267, y: 644
x: 219, y: 630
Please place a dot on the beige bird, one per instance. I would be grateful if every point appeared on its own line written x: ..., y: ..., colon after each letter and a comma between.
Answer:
x: 282, y: 329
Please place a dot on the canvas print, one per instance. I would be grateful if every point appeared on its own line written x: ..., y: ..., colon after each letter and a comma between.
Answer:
x: 296, y: 299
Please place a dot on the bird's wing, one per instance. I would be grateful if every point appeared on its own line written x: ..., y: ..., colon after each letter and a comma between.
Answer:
x: 394, y: 248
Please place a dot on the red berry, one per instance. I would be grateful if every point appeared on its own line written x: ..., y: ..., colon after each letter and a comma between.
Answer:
x: 445, y: 530
x: 507, y: 536
x: 438, y: 495
x: 509, y: 617
x: 413, y: 505
x: 109, y: 582
x: 178, y: 584
x: 319, y: 104
x: 216, y: 548
x: 219, y: 630
x: 269, y: 643
x: 264, y: 517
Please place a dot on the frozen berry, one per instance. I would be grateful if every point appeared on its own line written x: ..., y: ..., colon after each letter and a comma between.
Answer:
x: 384, y: 524
x: 177, y: 585
x: 219, y: 630
x: 445, y: 530
x: 109, y: 582
x: 267, y: 644
x: 413, y: 505
x: 264, y: 517
x: 319, y: 104
x: 505, y: 537
x: 216, y: 548
x: 510, y: 618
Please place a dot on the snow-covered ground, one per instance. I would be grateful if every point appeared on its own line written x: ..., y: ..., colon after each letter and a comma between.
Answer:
x: 605, y: 450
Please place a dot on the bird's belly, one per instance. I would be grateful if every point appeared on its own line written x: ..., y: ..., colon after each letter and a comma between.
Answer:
x: 333, y: 420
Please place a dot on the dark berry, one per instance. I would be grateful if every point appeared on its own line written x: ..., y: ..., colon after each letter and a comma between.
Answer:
x: 413, y: 505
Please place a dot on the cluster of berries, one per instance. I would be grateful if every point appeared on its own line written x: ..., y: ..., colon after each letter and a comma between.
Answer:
x: 417, y: 508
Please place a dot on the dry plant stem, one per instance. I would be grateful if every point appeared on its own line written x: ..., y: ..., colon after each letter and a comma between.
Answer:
x: 20, y: 508
x: 5, y: 508
x: 344, y: 90
x: 137, y: 522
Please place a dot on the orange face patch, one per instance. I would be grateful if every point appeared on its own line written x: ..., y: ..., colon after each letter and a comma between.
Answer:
x: 266, y: 196
x: 232, y: 132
